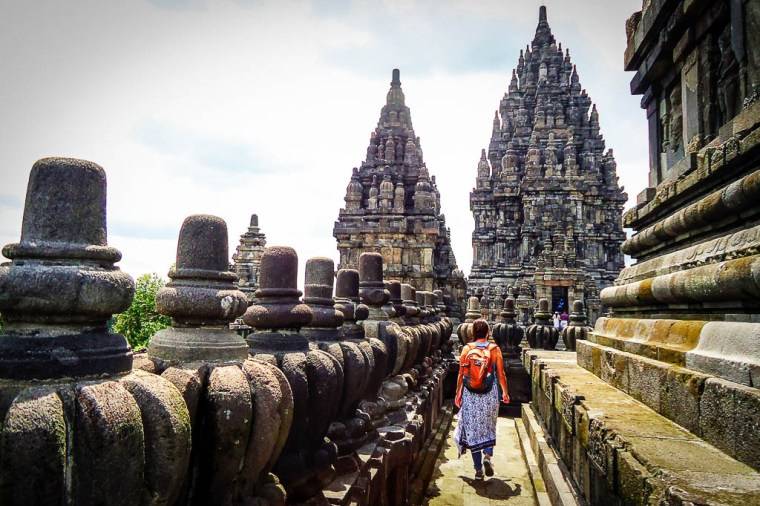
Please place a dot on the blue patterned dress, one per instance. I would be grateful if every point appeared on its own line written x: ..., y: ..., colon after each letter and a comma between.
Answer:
x: 476, y: 421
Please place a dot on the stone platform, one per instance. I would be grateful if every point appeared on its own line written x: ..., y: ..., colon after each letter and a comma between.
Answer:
x: 620, y: 451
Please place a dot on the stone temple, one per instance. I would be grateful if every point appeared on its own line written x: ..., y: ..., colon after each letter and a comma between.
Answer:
x: 247, y: 258
x: 546, y: 203
x: 393, y: 207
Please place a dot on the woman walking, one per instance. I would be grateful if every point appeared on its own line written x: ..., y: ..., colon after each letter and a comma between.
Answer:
x: 480, y: 364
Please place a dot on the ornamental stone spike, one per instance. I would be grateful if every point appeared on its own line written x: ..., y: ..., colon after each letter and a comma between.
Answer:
x: 347, y: 302
x: 278, y: 305
x: 578, y: 328
x: 56, y: 295
x: 202, y: 298
x: 61, y: 285
x: 371, y: 287
x: 318, y: 289
x: 235, y: 402
x: 315, y: 378
x: 542, y: 333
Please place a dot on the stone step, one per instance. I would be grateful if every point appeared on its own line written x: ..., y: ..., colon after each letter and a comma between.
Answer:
x: 551, y: 479
x: 424, y: 465
x: 620, y: 451
x: 723, y: 413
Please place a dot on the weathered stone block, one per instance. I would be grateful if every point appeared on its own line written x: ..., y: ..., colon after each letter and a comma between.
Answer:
x: 680, y: 396
x: 645, y: 378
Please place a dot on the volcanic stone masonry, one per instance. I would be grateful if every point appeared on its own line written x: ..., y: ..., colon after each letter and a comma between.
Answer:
x: 393, y: 207
x: 342, y: 412
x: 547, y: 204
x: 661, y: 404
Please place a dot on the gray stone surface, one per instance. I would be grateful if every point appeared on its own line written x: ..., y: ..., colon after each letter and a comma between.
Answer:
x: 201, y: 298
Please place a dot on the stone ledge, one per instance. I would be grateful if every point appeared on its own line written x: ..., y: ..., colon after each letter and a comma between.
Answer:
x: 619, y: 450
x: 664, y: 340
x: 712, y: 408
x: 728, y: 350
x: 554, y: 478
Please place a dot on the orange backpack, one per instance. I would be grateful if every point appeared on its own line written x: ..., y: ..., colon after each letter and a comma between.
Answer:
x: 478, y: 367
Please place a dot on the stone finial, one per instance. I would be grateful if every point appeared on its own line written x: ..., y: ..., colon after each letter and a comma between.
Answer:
x: 65, y: 377
x: 542, y: 333
x: 420, y: 295
x: 394, y: 288
x: 201, y: 298
x: 277, y: 299
x: 347, y: 302
x: 508, y: 313
x: 371, y: 288
x: 430, y: 303
x: 578, y: 328
x: 61, y: 285
x: 320, y: 274
x: 542, y: 14
x: 578, y: 314
x: 473, y: 309
x: 409, y: 298
x: 254, y: 220
x: 439, y: 301
x: 542, y: 312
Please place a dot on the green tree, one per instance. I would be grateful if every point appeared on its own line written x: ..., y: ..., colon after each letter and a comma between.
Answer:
x: 140, y: 321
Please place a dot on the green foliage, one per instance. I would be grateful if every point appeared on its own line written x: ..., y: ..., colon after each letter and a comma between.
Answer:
x: 141, y: 321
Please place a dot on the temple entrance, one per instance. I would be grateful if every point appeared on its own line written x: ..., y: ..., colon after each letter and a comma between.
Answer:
x: 559, y: 299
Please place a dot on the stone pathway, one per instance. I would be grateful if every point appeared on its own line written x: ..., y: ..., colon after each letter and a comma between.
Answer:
x: 453, y: 482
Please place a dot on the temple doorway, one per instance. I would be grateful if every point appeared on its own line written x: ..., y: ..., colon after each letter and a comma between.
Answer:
x: 559, y: 299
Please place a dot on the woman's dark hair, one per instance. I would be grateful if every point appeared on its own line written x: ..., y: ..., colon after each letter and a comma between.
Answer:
x: 480, y: 328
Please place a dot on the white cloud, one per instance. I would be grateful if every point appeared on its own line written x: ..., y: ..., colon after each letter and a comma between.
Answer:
x: 232, y: 108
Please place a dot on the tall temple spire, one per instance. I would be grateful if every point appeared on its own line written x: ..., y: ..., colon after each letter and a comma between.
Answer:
x: 550, y: 174
x: 391, y: 196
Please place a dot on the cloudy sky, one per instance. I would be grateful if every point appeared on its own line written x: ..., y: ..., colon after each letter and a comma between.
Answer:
x: 234, y: 107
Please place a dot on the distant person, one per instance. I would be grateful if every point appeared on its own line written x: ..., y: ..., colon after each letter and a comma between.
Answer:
x: 563, y: 319
x: 556, y: 321
x: 478, y: 398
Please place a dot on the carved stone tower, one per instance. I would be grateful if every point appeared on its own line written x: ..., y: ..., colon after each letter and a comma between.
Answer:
x: 547, y: 203
x: 393, y: 207
x: 247, y: 258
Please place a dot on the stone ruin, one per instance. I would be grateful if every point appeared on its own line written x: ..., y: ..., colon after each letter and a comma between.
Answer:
x: 329, y: 400
x: 660, y: 405
x: 546, y: 203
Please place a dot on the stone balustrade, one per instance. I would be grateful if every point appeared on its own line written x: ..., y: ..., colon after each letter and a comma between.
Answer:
x: 327, y: 395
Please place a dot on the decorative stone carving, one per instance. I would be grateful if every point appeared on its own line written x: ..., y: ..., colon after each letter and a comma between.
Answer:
x: 78, y: 426
x: 464, y: 331
x: 542, y: 333
x: 247, y: 258
x: 578, y: 328
x: 393, y: 208
x: 241, y: 409
x: 355, y: 361
x: 508, y: 334
x: 555, y: 179
x: 377, y: 325
x: 315, y: 377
